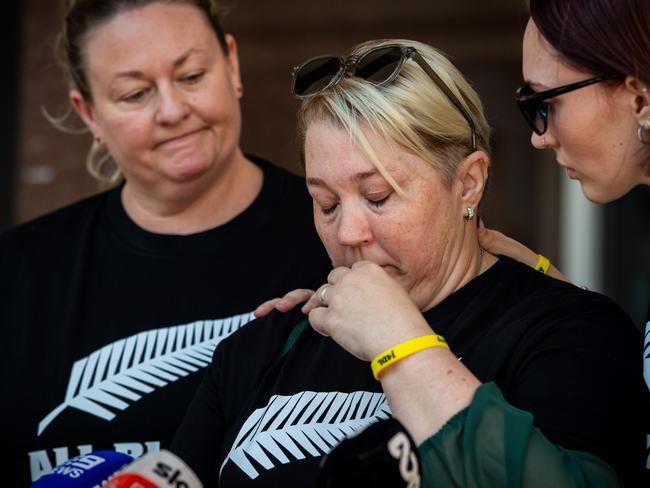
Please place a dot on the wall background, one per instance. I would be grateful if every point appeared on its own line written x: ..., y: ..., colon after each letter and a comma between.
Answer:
x: 483, y: 39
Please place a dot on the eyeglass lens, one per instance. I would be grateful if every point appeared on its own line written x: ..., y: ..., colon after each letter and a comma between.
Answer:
x: 534, y: 111
x: 379, y: 66
x: 316, y: 75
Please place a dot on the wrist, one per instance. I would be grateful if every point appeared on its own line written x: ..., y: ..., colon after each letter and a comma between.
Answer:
x: 391, y: 356
x: 428, y: 388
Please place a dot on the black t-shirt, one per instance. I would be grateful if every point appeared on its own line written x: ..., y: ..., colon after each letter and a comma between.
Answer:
x: 106, y: 327
x: 646, y: 374
x: 569, y: 356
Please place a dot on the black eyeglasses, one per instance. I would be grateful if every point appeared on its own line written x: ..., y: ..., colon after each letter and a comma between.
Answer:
x: 533, y: 104
x: 380, y: 66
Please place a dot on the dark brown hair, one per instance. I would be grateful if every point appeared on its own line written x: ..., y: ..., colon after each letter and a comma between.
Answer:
x: 604, y: 37
x: 83, y: 15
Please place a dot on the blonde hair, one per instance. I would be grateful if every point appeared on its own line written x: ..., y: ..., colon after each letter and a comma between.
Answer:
x: 411, y: 111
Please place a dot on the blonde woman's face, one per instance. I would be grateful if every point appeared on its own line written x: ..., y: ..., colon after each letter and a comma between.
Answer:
x: 359, y: 216
x: 165, y: 96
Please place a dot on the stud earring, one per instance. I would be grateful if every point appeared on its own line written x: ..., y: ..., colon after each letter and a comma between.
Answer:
x: 470, y: 213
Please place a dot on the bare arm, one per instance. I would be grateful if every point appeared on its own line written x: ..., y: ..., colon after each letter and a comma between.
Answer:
x: 498, y: 243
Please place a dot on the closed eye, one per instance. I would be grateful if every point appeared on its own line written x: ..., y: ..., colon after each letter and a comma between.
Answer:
x: 134, y: 96
x: 378, y: 202
x: 329, y: 210
x: 194, y: 77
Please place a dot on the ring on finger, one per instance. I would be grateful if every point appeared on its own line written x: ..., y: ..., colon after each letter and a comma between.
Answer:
x: 321, y: 294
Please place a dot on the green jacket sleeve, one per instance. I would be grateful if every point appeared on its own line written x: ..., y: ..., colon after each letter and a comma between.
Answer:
x: 491, y: 443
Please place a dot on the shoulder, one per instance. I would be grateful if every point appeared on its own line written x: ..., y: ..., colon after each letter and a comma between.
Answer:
x: 59, y: 225
x: 558, y: 310
x: 285, y: 185
x: 259, y: 342
x: 241, y: 361
x: 531, y: 286
x: 66, y: 217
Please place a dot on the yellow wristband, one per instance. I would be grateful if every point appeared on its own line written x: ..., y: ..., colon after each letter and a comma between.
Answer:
x: 405, y: 349
x: 542, y: 264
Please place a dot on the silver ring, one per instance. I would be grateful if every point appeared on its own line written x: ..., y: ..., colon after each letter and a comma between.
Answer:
x: 321, y: 294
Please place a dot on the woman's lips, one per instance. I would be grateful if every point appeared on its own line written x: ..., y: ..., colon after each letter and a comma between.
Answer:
x: 178, y: 140
x: 570, y: 172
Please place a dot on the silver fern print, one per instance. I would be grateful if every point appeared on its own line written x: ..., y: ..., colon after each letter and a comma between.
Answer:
x: 646, y: 358
x: 646, y: 375
x: 308, y: 424
x: 119, y: 374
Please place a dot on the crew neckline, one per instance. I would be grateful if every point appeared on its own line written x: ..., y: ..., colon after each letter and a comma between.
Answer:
x: 146, y: 241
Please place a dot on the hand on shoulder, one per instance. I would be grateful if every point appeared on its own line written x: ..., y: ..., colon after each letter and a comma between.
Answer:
x: 498, y: 243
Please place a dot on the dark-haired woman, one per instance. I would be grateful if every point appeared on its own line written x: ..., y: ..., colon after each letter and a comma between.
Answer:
x: 587, y: 96
x: 586, y: 64
x: 109, y: 308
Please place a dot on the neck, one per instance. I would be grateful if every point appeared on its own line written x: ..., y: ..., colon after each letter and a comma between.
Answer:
x: 645, y: 178
x: 187, y: 208
x: 461, y: 266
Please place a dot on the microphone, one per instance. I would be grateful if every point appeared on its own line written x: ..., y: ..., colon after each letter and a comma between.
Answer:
x: 155, y: 470
x: 384, y: 454
x: 85, y: 471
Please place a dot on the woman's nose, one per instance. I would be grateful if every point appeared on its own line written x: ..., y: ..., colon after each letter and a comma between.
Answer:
x: 545, y: 141
x: 354, y: 229
x: 172, y: 108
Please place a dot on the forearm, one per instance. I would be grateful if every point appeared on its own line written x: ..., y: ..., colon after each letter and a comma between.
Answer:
x: 427, y: 389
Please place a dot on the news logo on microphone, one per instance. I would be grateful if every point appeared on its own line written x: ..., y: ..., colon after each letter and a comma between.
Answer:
x: 85, y: 471
x: 108, y: 469
x: 158, y: 470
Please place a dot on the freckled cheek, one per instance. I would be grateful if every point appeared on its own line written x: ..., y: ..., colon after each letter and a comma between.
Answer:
x: 327, y: 235
x: 396, y: 238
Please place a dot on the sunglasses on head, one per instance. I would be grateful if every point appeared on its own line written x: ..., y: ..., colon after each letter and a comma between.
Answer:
x: 379, y: 66
x: 535, y: 108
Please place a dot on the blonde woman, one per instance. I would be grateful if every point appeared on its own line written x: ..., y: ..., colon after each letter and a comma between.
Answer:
x: 495, y: 370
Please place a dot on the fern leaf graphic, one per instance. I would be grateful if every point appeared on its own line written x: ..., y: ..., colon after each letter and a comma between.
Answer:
x: 308, y: 424
x: 646, y: 365
x: 113, y: 377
